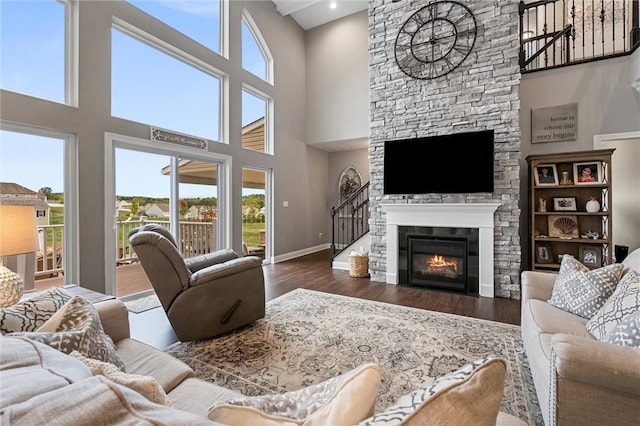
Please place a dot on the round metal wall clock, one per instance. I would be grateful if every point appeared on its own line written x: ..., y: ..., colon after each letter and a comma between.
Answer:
x: 435, y: 40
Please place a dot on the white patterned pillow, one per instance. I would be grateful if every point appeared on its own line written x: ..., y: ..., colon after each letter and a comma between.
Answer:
x: 29, y: 314
x: 627, y: 331
x: 471, y: 395
x: 582, y: 291
x: 76, y: 326
x: 624, y: 301
x: 147, y: 386
x: 345, y: 399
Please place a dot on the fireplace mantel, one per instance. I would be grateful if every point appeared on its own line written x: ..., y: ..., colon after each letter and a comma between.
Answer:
x: 455, y: 215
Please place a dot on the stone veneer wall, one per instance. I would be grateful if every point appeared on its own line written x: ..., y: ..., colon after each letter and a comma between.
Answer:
x: 482, y: 92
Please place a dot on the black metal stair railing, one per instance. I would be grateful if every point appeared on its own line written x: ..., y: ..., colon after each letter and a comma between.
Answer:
x: 350, y: 220
x: 556, y: 33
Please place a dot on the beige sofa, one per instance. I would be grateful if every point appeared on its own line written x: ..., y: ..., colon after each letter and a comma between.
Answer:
x: 594, y: 383
x: 41, y: 385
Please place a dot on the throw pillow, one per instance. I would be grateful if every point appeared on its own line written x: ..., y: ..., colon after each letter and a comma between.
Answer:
x: 471, y: 395
x: 582, y: 291
x: 624, y: 301
x: 147, y: 386
x: 31, y: 313
x: 345, y: 399
x: 627, y: 331
x: 76, y: 326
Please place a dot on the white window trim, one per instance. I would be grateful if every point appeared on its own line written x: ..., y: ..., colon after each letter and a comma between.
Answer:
x: 72, y: 48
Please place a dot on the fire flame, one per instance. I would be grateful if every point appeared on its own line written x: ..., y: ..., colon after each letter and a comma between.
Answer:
x: 438, y: 262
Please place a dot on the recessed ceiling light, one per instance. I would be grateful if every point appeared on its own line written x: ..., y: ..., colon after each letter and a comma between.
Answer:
x: 333, y: 5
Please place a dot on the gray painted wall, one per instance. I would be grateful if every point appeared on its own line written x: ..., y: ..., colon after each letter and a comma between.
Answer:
x: 607, y: 104
x: 337, y: 81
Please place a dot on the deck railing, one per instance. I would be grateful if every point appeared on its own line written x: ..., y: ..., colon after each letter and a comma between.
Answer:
x: 195, y: 238
x: 556, y: 33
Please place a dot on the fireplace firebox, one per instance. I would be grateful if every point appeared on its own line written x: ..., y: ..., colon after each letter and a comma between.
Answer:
x: 440, y: 258
x: 437, y: 262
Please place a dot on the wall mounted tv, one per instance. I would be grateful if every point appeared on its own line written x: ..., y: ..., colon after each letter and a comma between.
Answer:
x: 456, y: 163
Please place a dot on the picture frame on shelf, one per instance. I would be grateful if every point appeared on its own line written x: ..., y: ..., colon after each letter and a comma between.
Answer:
x: 544, y: 253
x: 546, y: 175
x: 563, y: 226
x: 565, y: 204
x: 588, y: 173
x: 590, y: 255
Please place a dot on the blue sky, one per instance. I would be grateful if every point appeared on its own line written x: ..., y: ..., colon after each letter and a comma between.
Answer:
x: 137, y: 94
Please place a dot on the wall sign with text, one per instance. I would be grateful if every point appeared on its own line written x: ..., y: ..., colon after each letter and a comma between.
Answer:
x: 554, y: 124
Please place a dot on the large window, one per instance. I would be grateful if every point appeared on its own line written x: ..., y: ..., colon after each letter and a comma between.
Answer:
x: 253, y: 59
x: 254, y: 122
x: 32, y: 173
x: 32, y: 48
x: 197, y: 19
x: 152, y: 87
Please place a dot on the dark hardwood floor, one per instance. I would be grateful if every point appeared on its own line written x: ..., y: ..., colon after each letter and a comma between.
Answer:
x: 314, y: 272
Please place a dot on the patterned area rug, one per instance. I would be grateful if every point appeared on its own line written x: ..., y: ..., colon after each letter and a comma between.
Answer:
x: 141, y: 302
x: 308, y: 336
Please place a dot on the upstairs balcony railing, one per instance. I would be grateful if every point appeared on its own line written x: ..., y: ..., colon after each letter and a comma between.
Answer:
x: 195, y: 238
x: 556, y: 33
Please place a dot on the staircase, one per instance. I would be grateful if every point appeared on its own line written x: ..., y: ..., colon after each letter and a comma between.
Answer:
x: 350, y: 225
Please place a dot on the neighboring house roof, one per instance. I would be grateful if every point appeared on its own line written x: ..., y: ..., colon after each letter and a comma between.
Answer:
x: 15, y: 194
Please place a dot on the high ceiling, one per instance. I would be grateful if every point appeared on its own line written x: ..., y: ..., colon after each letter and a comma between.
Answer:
x: 312, y: 13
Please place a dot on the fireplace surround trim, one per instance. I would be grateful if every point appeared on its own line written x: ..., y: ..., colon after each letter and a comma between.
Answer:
x: 461, y: 215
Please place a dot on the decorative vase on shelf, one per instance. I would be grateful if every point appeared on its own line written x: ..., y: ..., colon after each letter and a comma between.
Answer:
x: 593, y: 206
x: 565, y: 179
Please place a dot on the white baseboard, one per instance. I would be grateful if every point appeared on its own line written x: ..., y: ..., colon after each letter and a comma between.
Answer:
x: 299, y: 253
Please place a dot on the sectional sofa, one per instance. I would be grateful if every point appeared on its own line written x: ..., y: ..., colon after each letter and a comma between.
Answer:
x: 108, y: 378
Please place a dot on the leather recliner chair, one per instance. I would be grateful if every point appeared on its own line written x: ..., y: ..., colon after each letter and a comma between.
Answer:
x: 203, y: 296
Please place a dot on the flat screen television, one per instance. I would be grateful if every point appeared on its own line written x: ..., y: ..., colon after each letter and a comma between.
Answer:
x: 456, y: 163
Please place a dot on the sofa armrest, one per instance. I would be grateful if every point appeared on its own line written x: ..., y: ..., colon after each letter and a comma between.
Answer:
x: 197, y: 263
x: 596, y: 363
x: 230, y: 267
x: 114, y: 317
x: 537, y: 285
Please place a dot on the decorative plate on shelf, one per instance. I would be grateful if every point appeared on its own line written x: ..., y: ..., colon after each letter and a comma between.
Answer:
x: 561, y: 226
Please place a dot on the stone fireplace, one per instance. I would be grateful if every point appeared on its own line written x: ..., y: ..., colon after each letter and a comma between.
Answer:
x: 481, y: 94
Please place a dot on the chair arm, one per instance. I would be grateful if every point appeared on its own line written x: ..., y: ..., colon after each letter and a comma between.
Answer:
x: 537, y: 285
x: 196, y: 263
x: 114, y: 318
x: 595, y: 363
x: 220, y: 270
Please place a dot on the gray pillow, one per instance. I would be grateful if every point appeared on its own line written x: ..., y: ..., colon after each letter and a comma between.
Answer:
x: 627, y: 331
x: 77, y: 327
x: 624, y: 301
x: 31, y: 313
x: 582, y: 291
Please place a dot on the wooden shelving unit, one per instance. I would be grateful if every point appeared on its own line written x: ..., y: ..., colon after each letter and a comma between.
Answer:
x: 566, y: 227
